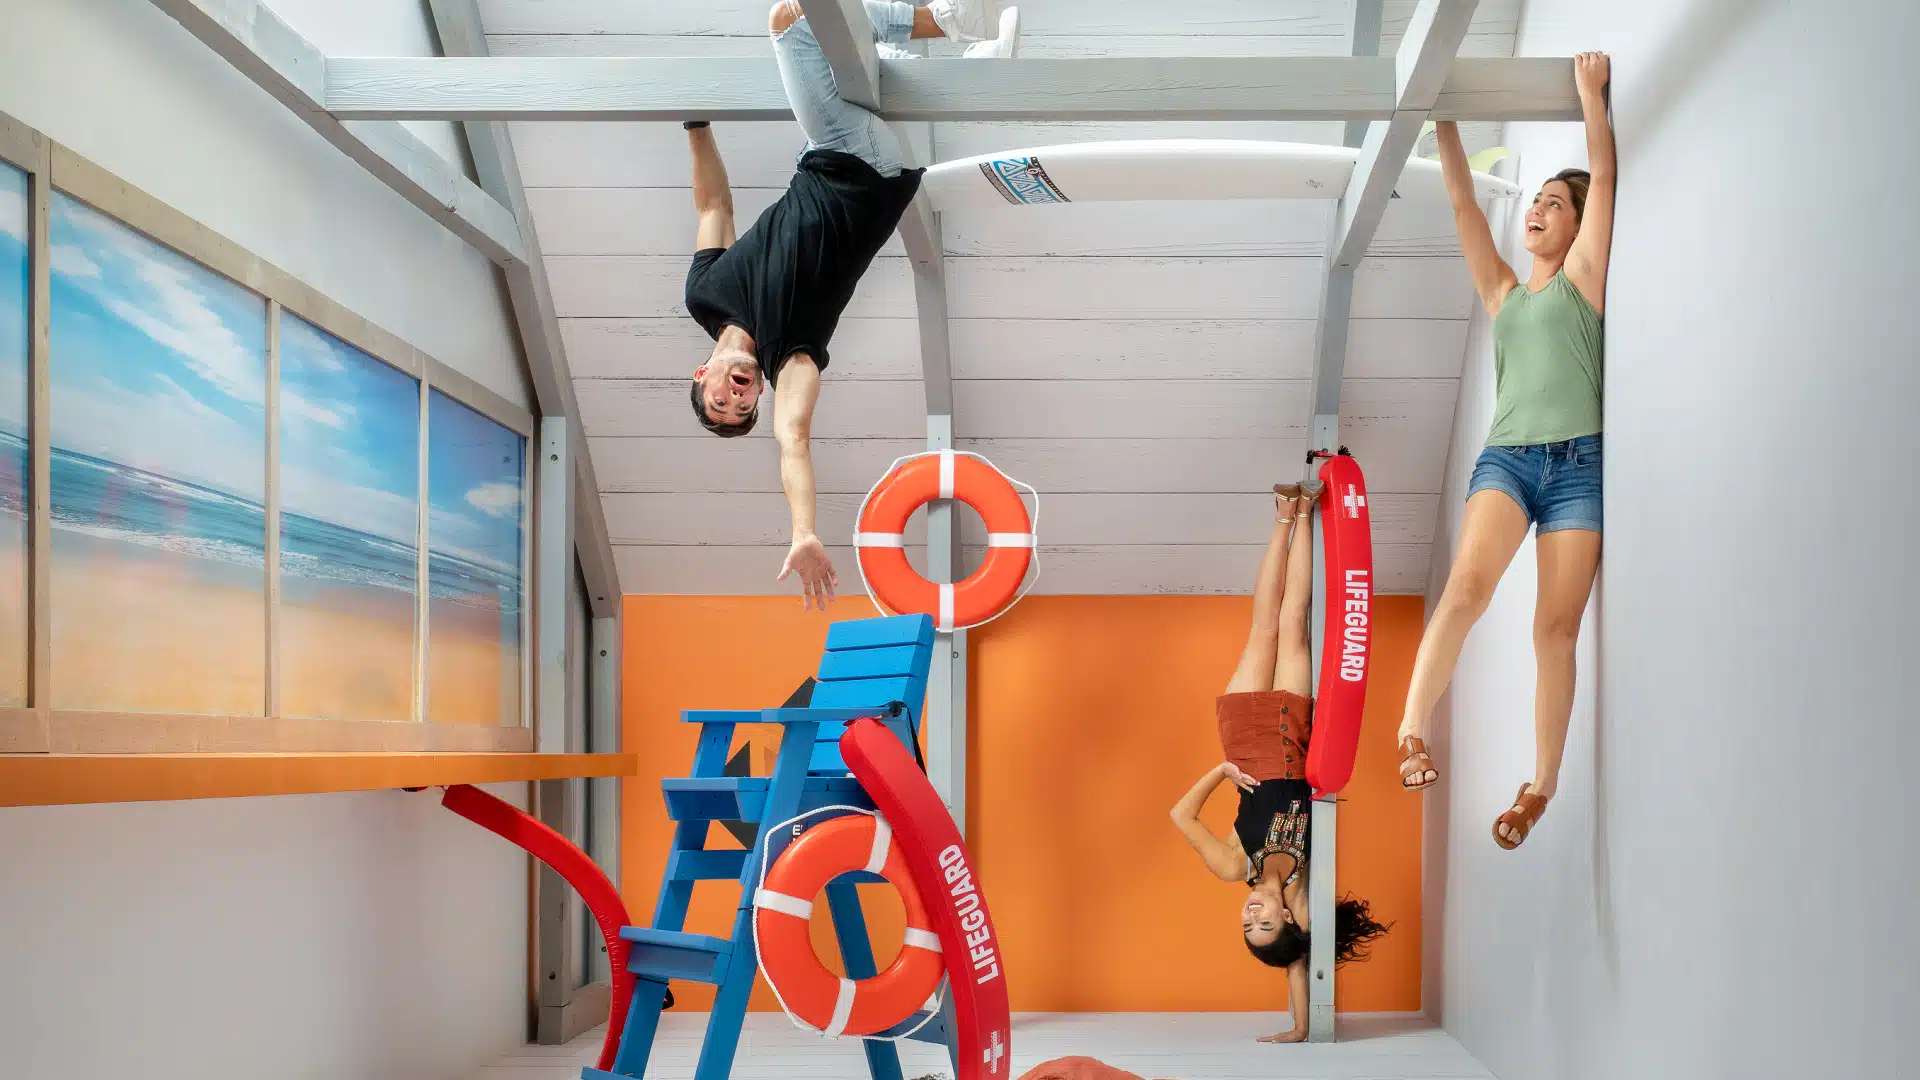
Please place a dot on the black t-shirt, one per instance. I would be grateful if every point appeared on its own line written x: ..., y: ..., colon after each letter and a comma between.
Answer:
x: 786, y: 281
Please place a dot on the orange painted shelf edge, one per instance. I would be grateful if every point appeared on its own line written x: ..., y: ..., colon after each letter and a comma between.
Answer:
x: 63, y: 779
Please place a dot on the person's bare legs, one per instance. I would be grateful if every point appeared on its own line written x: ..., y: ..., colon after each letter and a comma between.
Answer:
x: 1494, y: 527
x: 1255, y: 670
x: 1568, y: 559
x: 1293, y: 657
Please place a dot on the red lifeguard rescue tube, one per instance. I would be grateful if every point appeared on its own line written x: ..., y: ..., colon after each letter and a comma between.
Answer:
x: 1346, y: 651
x: 938, y: 862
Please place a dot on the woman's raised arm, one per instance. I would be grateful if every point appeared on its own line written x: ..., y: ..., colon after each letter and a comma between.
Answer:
x: 1492, y: 277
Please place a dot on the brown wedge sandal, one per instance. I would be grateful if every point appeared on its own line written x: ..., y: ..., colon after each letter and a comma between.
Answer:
x: 1527, y: 810
x: 1414, y: 763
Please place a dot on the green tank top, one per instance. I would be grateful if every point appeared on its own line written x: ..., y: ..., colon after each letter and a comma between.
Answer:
x: 1547, y: 363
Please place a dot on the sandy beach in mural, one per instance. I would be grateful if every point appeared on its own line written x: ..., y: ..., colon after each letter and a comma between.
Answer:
x: 135, y: 630
x: 142, y: 629
x: 13, y: 614
x: 472, y: 676
x: 345, y: 653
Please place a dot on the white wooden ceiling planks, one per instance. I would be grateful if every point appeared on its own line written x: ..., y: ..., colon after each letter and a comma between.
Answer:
x: 1144, y: 367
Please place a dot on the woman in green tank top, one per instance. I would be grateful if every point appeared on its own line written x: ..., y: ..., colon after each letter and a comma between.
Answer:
x: 1541, y: 467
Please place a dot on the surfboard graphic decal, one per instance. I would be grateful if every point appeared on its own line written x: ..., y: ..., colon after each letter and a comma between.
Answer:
x: 1022, y: 181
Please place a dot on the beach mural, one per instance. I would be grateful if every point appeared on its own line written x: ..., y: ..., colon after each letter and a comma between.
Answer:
x: 15, y: 471
x: 349, y: 529
x: 475, y: 491
x: 159, y: 474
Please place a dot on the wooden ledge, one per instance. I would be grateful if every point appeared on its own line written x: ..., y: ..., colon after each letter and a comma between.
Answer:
x: 62, y: 779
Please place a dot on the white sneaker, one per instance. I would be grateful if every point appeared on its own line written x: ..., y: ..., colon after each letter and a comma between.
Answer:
x: 889, y: 51
x: 963, y: 20
x: 1007, y: 45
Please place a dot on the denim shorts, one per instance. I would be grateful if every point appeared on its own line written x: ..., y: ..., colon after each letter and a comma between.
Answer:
x: 1556, y: 484
x: 829, y: 121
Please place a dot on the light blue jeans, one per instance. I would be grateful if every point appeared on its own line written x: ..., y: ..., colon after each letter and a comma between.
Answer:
x: 829, y: 121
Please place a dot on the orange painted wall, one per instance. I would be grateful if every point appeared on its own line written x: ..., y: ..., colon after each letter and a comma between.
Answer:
x: 1090, y: 717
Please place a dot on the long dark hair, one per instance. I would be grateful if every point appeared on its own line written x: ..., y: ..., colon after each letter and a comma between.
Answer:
x: 1354, y: 931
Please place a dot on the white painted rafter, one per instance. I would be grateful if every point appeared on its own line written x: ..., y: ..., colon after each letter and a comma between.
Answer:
x: 248, y: 35
x: 841, y: 28
x: 1082, y: 88
x: 457, y: 23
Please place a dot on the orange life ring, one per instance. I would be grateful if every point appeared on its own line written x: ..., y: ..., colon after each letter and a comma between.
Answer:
x: 881, y: 539
x: 783, y: 912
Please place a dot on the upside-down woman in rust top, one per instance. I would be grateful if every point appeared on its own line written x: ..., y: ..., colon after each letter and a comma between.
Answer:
x: 1266, y: 721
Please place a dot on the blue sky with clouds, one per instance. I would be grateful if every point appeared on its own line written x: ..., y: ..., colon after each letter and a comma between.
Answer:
x: 158, y: 362
x: 474, y: 487
x: 13, y: 300
x: 349, y: 435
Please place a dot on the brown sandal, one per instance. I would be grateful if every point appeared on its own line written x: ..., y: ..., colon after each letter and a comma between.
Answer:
x: 1527, y: 811
x: 1413, y: 762
x: 1286, y: 499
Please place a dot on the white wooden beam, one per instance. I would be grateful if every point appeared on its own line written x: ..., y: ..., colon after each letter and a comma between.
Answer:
x: 845, y: 35
x: 946, y: 712
x: 248, y: 35
x: 1084, y: 88
x: 1363, y: 39
x: 457, y: 23
x: 1336, y: 308
x: 1426, y: 52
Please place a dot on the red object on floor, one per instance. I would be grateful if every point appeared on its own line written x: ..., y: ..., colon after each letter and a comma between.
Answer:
x: 938, y: 861
x: 1077, y: 1068
x: 1346, y: 651
x: 579, y: 870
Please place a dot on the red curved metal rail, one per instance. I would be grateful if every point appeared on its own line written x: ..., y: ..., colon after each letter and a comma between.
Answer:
x: 580, y: 871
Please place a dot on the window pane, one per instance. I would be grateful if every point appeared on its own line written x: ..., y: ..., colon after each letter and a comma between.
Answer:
x: 15, y: 378
x: 475, y: 490
x: 349, y: 529
x: 159, y: 476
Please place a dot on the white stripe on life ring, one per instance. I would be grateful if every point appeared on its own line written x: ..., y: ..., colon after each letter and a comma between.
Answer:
x: 946, y: 474
x: 882, y: 845
x: 922, y: 939
x: 945, y: 622
x: 842, y: 1010
x: 782, y: 903
x: 1010, y: 540
x: 880, y: 540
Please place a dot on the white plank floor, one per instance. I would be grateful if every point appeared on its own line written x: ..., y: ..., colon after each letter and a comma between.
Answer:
x: 1174, y: 1046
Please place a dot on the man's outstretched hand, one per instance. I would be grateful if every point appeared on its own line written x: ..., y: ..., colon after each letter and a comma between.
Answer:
x: 808, y: 558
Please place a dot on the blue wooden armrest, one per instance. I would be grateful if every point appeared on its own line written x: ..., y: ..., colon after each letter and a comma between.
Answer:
x: 721, y: 716
x: 823, y: 716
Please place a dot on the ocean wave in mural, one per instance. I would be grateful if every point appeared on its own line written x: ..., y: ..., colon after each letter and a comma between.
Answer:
x: 349, y: 523
x: 15, y: 471
x: 158, y: 485
x: 475, y: 492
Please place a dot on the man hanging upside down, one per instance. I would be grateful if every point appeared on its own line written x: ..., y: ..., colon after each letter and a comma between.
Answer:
x: 771, y: 300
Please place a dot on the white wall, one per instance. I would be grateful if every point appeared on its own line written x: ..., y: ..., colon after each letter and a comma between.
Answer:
x: 331, y: 936
x: 125, y: 86
x: 1723, y: 887
x: 326, y: 937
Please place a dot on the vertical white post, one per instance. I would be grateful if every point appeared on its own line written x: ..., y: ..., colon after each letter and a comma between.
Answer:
x: 1322, y: 875
x: 603, y: 794
x: 946, y: 713
x: 553, y: 573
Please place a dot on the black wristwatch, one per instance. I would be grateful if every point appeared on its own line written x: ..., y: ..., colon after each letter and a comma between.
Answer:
x: 691, y: 124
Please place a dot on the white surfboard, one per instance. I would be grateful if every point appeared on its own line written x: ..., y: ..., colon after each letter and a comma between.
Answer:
x: 1172, y: 169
